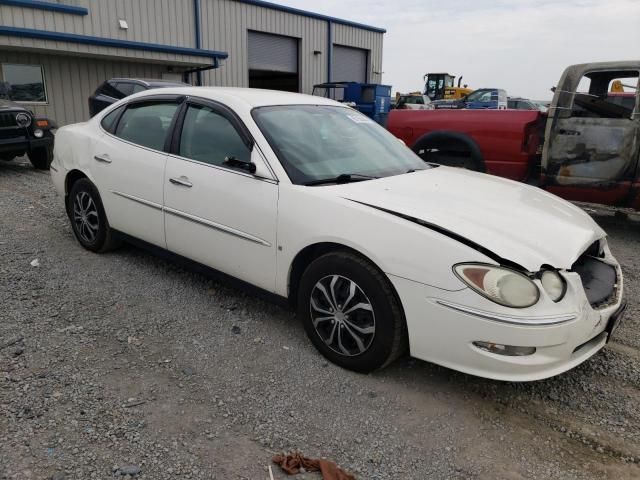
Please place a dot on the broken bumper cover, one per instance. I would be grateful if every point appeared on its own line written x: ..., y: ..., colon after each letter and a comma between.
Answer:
x: 445, y: 326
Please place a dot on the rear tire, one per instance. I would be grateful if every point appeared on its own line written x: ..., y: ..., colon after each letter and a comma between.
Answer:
x: 88, y: 219
x: 41, y: 157
x: 351, y: 313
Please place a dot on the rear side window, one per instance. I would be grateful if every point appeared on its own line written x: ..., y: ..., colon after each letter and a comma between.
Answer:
x: 109, y: 120
x: 209, y: 137
x: 125, y: 88
x: 147, y: 124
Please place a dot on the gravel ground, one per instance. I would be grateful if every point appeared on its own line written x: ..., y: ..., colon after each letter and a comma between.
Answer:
x: 126, y: 365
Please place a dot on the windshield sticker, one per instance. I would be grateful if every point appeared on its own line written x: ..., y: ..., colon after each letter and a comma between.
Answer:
x: 360, y: 119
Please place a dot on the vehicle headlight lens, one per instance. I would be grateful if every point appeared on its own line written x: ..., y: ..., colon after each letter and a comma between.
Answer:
x: 553, y: 284
x: 500, y: 285
x: 23, y: 120
x: 38, y: 133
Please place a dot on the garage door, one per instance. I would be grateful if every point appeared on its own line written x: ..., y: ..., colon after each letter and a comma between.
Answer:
x: 273, y: 53
x: 349, y: 64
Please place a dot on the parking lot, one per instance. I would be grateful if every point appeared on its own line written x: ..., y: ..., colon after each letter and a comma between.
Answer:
x: 126, y: 362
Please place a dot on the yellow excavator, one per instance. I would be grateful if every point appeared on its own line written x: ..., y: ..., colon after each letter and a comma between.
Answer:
x: 441, y: 86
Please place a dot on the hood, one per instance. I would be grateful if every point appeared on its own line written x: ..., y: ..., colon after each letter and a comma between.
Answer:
x: 9, y: 105
x: 519, y: 223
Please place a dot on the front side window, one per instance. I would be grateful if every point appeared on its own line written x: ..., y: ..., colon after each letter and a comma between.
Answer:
x: 321, y: 142
x: 23, y: 83
x: 147, y: 124
x: 209, y: 137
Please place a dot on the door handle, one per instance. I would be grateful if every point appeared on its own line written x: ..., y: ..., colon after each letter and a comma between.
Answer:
x: 182, y: 181
x: 104, y: 158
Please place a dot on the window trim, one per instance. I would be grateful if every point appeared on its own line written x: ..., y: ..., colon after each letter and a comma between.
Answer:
x: 238, y: 125
x: 44, y: 82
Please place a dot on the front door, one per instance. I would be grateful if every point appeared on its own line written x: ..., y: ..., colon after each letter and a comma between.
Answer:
x: 593, y: 135
x: 215, y: 213
x: 128, y: 165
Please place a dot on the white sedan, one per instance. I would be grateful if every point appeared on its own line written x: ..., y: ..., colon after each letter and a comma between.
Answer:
x: 380, y: 253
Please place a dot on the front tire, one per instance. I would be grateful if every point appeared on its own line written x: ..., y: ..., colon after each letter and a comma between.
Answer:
x: 88, y: 219
x: 350, y: 312
x: 41, y: 157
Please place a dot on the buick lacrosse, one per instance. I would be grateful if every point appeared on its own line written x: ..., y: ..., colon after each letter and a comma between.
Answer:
x: 380, y: 253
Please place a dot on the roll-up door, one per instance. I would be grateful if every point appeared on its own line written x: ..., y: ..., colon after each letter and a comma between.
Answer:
x: 349, y: 64
x: 273, y: 61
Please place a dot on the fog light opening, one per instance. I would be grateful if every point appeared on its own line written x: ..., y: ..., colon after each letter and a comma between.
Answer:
x: 38, y: 133
x: 506, y: 350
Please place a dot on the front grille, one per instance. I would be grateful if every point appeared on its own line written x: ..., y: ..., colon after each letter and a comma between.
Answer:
x: 599, y: 279
x: 7, y: 119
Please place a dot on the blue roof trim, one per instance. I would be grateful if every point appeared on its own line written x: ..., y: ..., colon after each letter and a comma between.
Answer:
x: 40, y: 5
x: 317, y: 16
x: 108, y: 42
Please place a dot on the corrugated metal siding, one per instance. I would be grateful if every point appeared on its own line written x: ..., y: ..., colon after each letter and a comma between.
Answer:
x: 225, y: 25
x: 167, y: 22
x: 71, y: 80
x: 357, y: 37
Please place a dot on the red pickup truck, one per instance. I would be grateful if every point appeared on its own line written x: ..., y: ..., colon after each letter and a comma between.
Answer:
x: 586, y: 149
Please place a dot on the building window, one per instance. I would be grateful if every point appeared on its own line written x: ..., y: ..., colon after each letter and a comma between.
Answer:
x: 23, y: 83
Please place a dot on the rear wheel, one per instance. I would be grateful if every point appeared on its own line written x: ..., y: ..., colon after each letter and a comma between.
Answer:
x: 88, y: 219
x: 350, y: 312
x: 41, y: 157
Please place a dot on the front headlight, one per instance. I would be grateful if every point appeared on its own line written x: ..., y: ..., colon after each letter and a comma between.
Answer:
x: 498, y: 284
x: 553, y: 284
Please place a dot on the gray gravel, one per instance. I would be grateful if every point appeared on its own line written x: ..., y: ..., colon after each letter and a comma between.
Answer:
x: 125, y: 365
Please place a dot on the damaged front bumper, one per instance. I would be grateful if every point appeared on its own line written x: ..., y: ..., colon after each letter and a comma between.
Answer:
x: 466, y: 332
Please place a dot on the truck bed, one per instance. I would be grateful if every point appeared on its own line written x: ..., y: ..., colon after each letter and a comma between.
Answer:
x: 501, y: 142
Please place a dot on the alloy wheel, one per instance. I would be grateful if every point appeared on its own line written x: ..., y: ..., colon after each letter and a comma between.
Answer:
x: 85, y: 217
x: 342, y: 315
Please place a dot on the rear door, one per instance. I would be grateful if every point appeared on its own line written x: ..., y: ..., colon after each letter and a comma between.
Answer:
x: 128, y: 166
x: 593, y: 134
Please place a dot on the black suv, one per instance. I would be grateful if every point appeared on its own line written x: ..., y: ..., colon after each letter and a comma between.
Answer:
x: 23, y: 132
x: 117, y: 88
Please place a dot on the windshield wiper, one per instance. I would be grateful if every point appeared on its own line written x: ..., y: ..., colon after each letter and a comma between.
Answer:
x: 342, y: 178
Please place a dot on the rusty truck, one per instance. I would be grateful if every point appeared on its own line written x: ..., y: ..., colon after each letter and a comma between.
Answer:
x: 586, y: 148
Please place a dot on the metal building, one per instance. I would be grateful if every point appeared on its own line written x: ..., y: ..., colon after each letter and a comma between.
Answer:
x: 55, y: 53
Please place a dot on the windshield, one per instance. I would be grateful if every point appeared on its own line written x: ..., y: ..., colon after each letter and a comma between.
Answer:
x: 315, y: 142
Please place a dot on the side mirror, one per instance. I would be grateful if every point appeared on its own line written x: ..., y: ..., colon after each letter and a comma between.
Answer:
x: 233, y: 162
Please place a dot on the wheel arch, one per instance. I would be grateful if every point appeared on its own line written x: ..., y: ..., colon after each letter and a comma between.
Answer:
x: 440, y: 136
x: 310, y: 253
x: 71, y: 178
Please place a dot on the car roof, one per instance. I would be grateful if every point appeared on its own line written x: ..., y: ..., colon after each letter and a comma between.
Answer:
x: 250, y: 97
x: 150, y: 82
